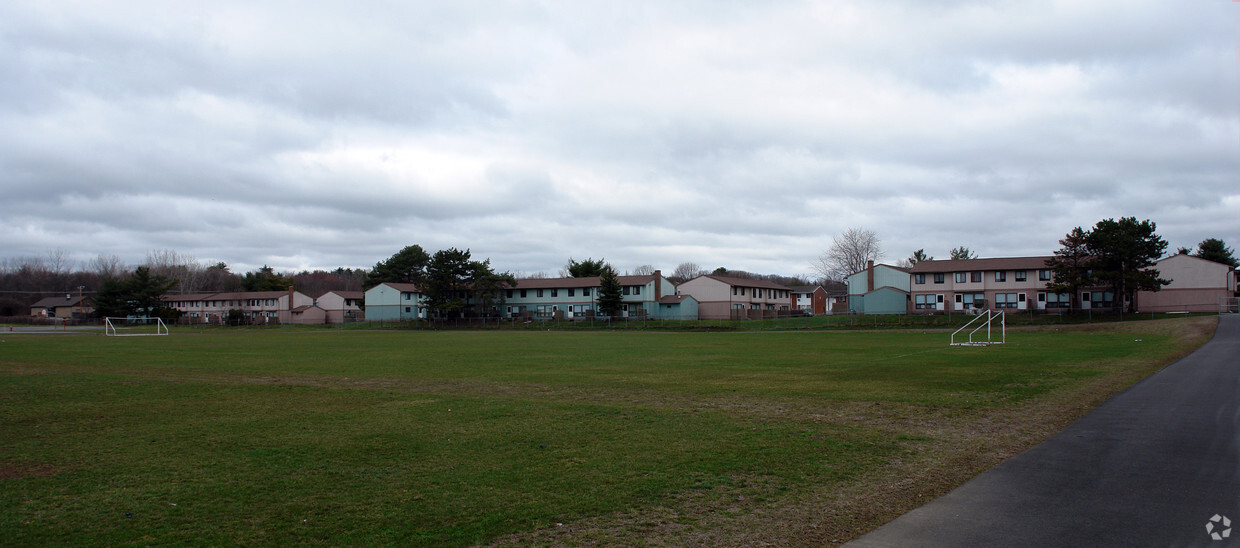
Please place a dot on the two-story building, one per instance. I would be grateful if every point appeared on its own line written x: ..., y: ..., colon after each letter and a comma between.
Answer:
x: 1197, y: 285
x: 879, y: 289
x: 342, y: 306
x: 257, y: 307
x: 811, y: 299
x: 727, y: 297
x: 652, y: 296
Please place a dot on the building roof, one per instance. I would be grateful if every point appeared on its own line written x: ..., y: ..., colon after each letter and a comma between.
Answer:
x: 401, y: 286
x: 587, y: 281
x: 233, y: 296
x: 348, y: 294
x: 745, y: 282
x: 674, y: 299
x: 189, y: 297
x: 71, y: 300
x: 965, y: 265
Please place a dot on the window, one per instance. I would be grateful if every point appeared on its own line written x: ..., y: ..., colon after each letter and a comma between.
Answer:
x: 975, y: 277
x: 572, y: 292
x: 509, y: 293
x: 1044, y: 275
x: 1000, y: 276
x: 637, y: 290
x: 973, y: 300
x: 540, y: 293
x: 1099, y: 299
x: 922, y: 302
x: 628, y: 290
x: 734, y: 290
x: 960, y: 277
x: 555, y: 292
x: 407, y: 309
x: 938, y: 277
x: 919, y: 278
x: 585, y: 292
x: 1006, y: 300
x: 1054, y: 300
x: 1021, y: 275
x: 523, y: 293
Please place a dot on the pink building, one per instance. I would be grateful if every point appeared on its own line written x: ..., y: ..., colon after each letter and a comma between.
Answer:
x: 258, y: 307
x: 1197, y: 285
x: 958, y: 286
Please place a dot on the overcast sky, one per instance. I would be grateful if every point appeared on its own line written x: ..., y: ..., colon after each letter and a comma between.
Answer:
x: 737, y: 134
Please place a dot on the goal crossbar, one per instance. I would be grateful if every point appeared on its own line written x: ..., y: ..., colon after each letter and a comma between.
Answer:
x: 151, y: 327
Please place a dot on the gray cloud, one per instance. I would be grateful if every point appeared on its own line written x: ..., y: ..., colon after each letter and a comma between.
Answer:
x: 731, y: 134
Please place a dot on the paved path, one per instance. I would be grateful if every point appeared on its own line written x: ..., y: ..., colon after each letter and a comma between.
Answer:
x: 1149, y: 467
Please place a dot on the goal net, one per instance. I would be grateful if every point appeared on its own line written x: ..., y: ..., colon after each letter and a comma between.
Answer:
x: 134, y: 327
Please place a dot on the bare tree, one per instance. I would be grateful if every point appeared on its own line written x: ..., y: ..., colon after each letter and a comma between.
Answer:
x: 850, y: 253
x: 644, y: 270
x: 686, y: 271
x: 58, y: 261
x: 184, y: 269
x: 107, y: 267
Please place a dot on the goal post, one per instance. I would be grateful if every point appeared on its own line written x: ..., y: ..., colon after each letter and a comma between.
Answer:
x: 986, y: 319
x: 134, y: 327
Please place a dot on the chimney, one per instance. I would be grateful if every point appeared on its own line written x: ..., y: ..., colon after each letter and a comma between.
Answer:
x: 290, y: 297
x: 658, y: 285
x: 869, y: 275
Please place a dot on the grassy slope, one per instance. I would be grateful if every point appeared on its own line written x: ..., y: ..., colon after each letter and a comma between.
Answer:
x: 463, y: 437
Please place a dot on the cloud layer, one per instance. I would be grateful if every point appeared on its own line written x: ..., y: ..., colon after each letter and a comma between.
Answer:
x: 726, y: 134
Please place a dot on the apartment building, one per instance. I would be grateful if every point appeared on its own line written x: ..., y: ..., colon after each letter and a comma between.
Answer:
x: 258, y: 307
x: 727, y: 297
x: 1011, y: 283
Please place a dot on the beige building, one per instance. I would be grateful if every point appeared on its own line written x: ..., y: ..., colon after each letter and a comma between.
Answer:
x: 725, y: 297
x: 342, y: 306
x: 1197, y: 285
x: 68, y: 306
x: 258, y: 307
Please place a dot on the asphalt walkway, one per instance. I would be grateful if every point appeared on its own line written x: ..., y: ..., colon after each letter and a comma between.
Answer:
x: 1155, y: 465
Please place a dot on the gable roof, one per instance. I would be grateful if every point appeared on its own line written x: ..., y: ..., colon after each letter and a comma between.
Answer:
x: 401, y: 286
x: 587, y: 281
x: 744, y: 282
x: 998, y: 263
x: 348, y: 294
x: 51, y: 302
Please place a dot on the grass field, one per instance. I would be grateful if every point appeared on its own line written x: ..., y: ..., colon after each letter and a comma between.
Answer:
x: 459, y: 438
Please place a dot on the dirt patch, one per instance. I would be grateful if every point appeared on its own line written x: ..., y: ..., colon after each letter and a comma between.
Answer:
x: 21, y: 470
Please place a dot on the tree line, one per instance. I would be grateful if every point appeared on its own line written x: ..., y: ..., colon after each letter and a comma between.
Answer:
x: 26, y: 280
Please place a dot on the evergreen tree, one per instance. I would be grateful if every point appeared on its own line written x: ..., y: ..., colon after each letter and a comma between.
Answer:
x: 1070, y: 266
x: 265, y: 279
x: 962, y: 253
x: 1214, y: 249
x: 919, y: 256
x: 406, y: 266
x: 587, y: 268
x: 139, y: 295
x: 609, y: 298
x: 1122, y: 253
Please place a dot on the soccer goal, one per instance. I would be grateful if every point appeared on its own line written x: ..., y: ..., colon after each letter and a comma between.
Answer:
x: 987, y: 320
x: 134, y: 327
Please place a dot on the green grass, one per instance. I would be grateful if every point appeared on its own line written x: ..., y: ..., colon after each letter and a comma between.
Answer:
x: 455, y: 438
